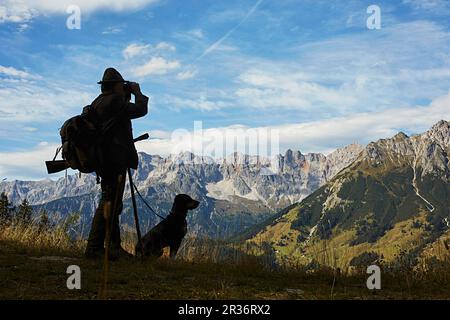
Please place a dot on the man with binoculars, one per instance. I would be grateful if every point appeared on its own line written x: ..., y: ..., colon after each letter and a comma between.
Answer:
x: 114, y: 111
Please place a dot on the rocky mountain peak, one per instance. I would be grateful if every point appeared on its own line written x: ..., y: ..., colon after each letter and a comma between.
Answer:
x: 440, y: 133
x: 400, y: 136
x: 441, y: 126
x: 338, y: 159
x: 396, y: 149
x: 293, y: 158
x: 353, y: 148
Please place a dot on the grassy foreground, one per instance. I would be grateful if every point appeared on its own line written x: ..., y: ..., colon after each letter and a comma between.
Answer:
x: 33, y: 266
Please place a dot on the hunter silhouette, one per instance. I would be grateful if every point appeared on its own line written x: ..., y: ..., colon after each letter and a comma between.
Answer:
x: 113, y: 107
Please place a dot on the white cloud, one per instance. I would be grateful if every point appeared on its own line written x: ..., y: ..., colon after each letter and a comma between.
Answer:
x: 398, y: 65
x: 156, y: 66
x: 23, y: 26
x: 187, y: 74
x: 202, y: 103
x: 112, y: 30
x: 134, y: 50
x: 158, y: 134
x: 23, y: 11
x: 16, y: 11
x: 316, y: 136
x: 165, y: 46
x: 198, y: 33
x: 195, y: 35
x: 27, y: 102
x: 15, y: 73
x: 263, y: 89
x: 326, y: 135
x: 441, y: 7
x: 155, y: 146
x: 60, y: 6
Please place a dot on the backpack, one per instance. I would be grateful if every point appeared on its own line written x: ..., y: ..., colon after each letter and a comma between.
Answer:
x: 81, y: 140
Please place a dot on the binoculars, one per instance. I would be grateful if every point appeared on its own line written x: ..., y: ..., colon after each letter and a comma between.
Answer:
x: 127, y: 89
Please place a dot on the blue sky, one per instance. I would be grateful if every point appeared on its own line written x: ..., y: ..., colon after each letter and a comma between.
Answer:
x: 311, y: 69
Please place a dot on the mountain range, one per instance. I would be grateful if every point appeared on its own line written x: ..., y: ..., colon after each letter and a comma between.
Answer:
x: 235, y: 192
x: 392, y: 201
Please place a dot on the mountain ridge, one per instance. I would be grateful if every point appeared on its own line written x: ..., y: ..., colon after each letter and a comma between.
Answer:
x: 237, y: 187
x: 391, y: 181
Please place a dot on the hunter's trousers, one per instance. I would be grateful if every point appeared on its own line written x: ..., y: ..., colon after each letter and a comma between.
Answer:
x: 112, y: 190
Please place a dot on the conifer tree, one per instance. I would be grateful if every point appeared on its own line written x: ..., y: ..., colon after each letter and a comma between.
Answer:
x: 44, y: 221
x: 6, y: 210
x: 24, y: 213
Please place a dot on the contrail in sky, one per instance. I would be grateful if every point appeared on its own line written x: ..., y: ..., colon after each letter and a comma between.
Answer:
x: 218, y: 42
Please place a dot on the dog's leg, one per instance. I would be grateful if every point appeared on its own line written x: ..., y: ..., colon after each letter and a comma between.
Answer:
x: 155, y: 251
x: 174, y: 249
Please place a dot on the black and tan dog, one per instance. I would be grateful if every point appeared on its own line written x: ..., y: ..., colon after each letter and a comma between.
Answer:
x: 171, y: 231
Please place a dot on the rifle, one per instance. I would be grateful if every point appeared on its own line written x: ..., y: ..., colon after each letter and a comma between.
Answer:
x: 55, y: 166
x: 141, y: 137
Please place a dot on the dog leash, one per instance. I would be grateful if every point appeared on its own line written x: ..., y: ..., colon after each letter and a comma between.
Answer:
x: 145, y: 202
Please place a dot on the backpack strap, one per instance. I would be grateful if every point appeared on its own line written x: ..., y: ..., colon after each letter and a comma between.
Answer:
x: 57, y: 151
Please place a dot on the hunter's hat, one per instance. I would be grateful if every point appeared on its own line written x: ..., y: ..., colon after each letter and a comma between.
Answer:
x: 111, y: 75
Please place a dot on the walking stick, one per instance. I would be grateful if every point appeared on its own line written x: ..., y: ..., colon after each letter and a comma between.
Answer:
x: 107, y: 215
x: 110, y: 214
x: 136, y: 217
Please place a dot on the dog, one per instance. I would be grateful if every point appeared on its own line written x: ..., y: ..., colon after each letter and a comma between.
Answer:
x: 169, y: 232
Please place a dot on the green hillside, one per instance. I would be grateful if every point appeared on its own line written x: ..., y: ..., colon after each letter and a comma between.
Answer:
x: 397, y: 193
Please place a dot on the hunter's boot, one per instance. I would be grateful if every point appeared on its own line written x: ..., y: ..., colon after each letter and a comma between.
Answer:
x: 117, y: 251
x: 95, y: 245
